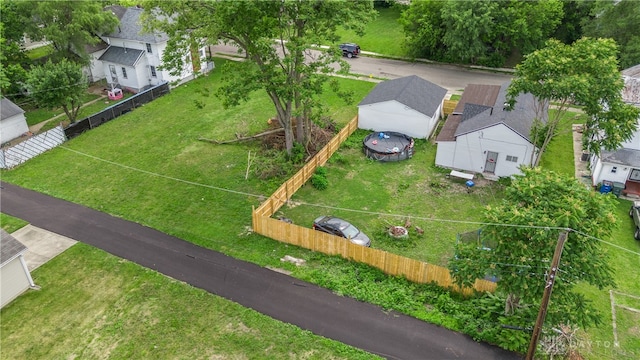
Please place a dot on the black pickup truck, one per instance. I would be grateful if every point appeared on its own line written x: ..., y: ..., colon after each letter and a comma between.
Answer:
x: 634, y: 213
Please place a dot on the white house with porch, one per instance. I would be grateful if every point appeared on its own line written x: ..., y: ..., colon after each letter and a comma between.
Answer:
x: 483, y: 136
x: 133, y: 57
x: 622, y: 165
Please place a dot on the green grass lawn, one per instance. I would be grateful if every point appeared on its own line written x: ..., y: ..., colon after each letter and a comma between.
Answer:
x: 599, y: 340
x: 163, y: 139
x: 382, y: 36
x: 559, y: 155
x: 93, y: 305
x: 40, y: 52
x: 38, y: 115
x: 11, y: 224
x: 385, y: 194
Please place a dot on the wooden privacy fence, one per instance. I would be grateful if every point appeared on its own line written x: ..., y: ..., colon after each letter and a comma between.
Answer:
x: 449, y: 106
x: 413, y: 270
x: 286, y: 190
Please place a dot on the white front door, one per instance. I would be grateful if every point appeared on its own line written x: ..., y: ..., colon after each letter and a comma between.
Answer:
x: 490, y: 163
x: 114, y: 75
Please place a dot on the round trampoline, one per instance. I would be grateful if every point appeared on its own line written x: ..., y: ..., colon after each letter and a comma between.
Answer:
x: 388, y: 146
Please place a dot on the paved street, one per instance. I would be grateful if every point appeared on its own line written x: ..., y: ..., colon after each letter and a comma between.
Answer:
x: 453, y: 78
x: 365, y: 326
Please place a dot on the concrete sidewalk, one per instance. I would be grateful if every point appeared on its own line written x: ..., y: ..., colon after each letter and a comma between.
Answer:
x: 42, y: 245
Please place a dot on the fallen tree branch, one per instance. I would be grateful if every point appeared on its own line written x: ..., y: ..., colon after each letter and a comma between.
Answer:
x: 242, y: 138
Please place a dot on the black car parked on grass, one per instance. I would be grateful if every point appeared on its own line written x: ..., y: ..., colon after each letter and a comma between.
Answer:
x: 350, y: 50
x: 335, y: 226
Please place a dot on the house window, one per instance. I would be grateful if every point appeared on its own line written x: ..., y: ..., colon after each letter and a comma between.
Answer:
x: 153, y: 71
x: 149, y: 48
x: 202, y: 53
x: 614, y: 169
x: 512, y: 158
x: 124, y: 73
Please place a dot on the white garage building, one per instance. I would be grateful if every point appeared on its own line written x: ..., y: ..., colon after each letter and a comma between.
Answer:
x: 12, y: 121
x: 14, y: 274
x: 408, y: 105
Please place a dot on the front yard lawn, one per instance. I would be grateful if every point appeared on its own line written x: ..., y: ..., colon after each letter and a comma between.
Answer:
x: 383, y: 36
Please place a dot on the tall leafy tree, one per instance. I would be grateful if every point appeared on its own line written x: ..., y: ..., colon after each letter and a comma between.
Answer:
x: 584, y: 73
x: 469, y: 28
x: 524, y: 230
x: 526, y: 25
x: 618, y: 20
x: 276, y: 36
x: 13, y: 60
x: 59, y: 84
x: 478, y: 32
x: 69, y: 25
x: 576, y: 13
x: 423, y: 28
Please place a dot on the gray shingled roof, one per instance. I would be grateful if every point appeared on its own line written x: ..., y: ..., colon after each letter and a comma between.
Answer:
x: 9, y: 109
x: 412, y: 91
x: 122, y: 56
x: 130, y: 27
x: 99, y: 45
x: 628, y: 157
x: 519, y: 119
x: 10, y: 247
x: 633, y: 71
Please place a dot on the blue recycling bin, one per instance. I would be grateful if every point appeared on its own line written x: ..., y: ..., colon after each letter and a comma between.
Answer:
x: 606, y: 187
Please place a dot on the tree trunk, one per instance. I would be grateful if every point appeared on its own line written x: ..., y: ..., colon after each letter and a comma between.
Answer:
x: 284, y: 118
x: 299, y: 119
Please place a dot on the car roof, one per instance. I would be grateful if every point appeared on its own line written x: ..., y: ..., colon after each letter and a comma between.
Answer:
x: 340, y: 223
x: 335, y: 221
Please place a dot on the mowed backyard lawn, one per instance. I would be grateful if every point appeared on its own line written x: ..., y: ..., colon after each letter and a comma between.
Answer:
x: 93, y: 305
x: 149, y: 167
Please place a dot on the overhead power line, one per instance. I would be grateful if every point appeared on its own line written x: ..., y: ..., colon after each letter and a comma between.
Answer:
x: 402, y: 216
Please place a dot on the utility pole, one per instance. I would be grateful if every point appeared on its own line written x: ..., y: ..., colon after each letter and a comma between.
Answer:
x: 546, y: 296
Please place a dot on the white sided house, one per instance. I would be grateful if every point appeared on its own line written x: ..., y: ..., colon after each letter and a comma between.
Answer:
x: 133, y: 58
x: 623, y: 165
x: 408, y: 105
x: 14, y: 273
x: 483, y: 136
x: 94, y: 71
x: 13, y: 123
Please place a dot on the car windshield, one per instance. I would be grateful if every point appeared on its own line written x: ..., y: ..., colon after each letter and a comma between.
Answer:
x: 350, y: 231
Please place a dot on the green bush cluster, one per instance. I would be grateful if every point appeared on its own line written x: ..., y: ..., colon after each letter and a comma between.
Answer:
x: 481, y: 317
x: 319, y: 178
x: 298, y: 153
x: 355, y: 140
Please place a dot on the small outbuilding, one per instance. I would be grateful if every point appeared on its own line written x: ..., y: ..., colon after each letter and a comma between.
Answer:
x: 13, y: 123
x: 410, y: 105
x: 14, y: 273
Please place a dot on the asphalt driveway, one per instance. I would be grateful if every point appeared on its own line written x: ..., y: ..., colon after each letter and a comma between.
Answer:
x: 282, y: 297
